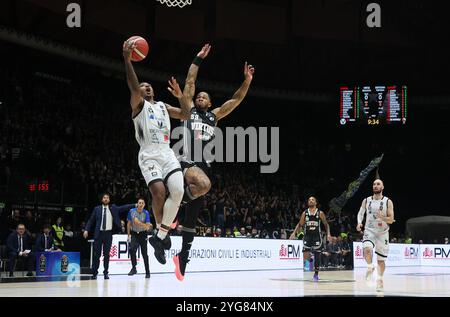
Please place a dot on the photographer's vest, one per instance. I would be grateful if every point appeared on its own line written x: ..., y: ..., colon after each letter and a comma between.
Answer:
x: 59, y: 233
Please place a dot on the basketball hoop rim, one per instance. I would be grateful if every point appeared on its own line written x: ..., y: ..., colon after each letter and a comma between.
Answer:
x: 175, y: 3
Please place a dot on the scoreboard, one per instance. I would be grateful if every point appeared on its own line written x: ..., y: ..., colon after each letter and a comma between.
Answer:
x: 373, y: 105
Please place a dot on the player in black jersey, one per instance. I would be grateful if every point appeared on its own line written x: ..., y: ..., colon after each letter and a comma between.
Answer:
x: 200, y: 128
x: 310, y: 220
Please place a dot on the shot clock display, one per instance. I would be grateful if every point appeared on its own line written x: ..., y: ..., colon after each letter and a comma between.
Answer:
x: 374, y: 105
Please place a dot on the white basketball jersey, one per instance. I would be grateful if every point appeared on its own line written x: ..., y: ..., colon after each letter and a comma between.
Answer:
x: 372, y: 208
x: 152, y: 125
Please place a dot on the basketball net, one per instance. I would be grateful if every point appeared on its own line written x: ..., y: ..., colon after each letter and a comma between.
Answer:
x: 176, y: 3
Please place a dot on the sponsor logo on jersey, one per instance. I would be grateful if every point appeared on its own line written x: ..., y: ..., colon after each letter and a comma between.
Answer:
x: 205, y: 128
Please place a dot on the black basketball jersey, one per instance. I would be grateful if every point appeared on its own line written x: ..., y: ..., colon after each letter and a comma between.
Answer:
x: 199, y: 132
x: 312, y: 223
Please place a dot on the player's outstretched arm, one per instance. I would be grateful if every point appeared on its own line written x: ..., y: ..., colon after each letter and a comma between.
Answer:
x: 136, y: 101
x: 184, y: 112
x: 189, y: 88
x: 238, y: 96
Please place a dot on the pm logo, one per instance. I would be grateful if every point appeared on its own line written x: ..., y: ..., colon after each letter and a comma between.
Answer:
x: 411, y: 253
x: 289, y: 252
x: 441, y: 253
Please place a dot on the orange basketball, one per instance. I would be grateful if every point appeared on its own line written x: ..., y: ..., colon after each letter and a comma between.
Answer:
x: 141, y: 50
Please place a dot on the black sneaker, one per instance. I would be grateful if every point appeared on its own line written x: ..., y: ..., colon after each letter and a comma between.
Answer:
x: 94, y: 277
x: 132, y: 272
x: 106, y: 276
x: 158, y: 246
x: 147, y: 275
x: 167, y: 243
x: 180, y: 261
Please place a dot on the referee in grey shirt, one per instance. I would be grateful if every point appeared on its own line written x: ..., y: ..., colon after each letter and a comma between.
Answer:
x: 137, y: 229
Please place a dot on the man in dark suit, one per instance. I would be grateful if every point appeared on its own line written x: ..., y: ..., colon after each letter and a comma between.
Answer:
x: 106, y: 219
x: 44, y: 242
x: 19, y: 247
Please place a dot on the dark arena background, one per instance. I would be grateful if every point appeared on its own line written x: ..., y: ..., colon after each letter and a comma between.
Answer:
x: 358, y: 90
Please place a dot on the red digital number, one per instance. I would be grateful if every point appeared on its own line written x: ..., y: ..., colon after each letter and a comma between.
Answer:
x: 43, y: 187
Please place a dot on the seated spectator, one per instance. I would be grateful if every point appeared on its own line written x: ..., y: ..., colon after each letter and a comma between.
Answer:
x: 123, y: 227
x: 218, y: 233
x: 332, y: 253
x: 228, y: 233
x: 254, y: 234
x: 265, y: 234
x: 44, y: 241
x: 19, y: 247
x: 326, y: 255
x: 68, y: 238
x: 68, y: 231
x: 242, y: 233
x: 346, y: 253
x: 336, y: 252
x: 208, y: 233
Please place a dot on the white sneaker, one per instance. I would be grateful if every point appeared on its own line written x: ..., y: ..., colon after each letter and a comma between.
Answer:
x: 369, y: 273
x: 380, y: 286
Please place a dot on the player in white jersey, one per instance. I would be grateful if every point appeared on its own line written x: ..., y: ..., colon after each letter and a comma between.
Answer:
x: 157, y: 161
x: 379, y: 212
